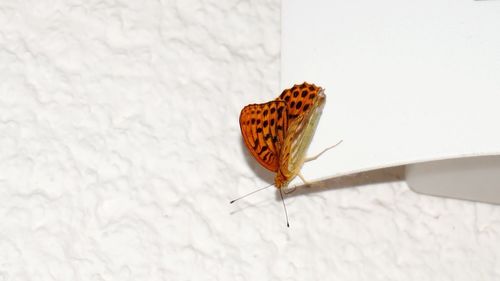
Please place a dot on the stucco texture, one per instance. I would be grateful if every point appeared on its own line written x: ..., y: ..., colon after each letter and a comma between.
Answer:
x: 120, y: 150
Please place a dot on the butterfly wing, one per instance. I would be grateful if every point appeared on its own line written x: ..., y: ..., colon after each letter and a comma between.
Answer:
x: 263, y: 127
x: 300, y: 99
x: 302, y: 123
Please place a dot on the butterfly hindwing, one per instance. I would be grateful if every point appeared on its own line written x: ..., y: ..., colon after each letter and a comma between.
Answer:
x: 263, y: 127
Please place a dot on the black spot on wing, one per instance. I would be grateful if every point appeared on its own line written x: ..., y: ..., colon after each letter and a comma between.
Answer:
x: 298, y: 105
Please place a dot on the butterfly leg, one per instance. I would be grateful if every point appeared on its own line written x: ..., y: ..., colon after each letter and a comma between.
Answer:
x: 307, y: 183
x: 319, y: 154
x: 303, y: 179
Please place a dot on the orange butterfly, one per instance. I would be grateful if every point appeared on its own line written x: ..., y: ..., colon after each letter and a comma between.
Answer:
x: 278, y: 133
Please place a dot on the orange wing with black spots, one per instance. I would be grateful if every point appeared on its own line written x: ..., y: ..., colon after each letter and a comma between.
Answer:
x: 263, y: 127
x: 299, y: 99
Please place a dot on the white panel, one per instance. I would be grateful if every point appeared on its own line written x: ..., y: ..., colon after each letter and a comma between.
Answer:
x: 405, y: 81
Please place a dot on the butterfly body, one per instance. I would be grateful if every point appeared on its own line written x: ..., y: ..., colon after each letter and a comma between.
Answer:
x: 278, y: 133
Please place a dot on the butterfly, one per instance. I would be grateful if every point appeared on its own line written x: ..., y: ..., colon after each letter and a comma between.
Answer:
x: 278, y: 133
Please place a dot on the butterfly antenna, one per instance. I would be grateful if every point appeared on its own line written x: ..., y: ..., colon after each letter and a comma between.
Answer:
x: 284, y: 207
x: 248, y: 194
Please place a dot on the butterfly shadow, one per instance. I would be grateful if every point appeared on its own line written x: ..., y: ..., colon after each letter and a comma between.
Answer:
x: 384, y: 175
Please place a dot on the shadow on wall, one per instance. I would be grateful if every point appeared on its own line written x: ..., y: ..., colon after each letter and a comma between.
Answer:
x: 384, y: 175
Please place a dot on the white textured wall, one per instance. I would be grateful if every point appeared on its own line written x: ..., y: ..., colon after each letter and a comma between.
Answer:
x: 120, y: 149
